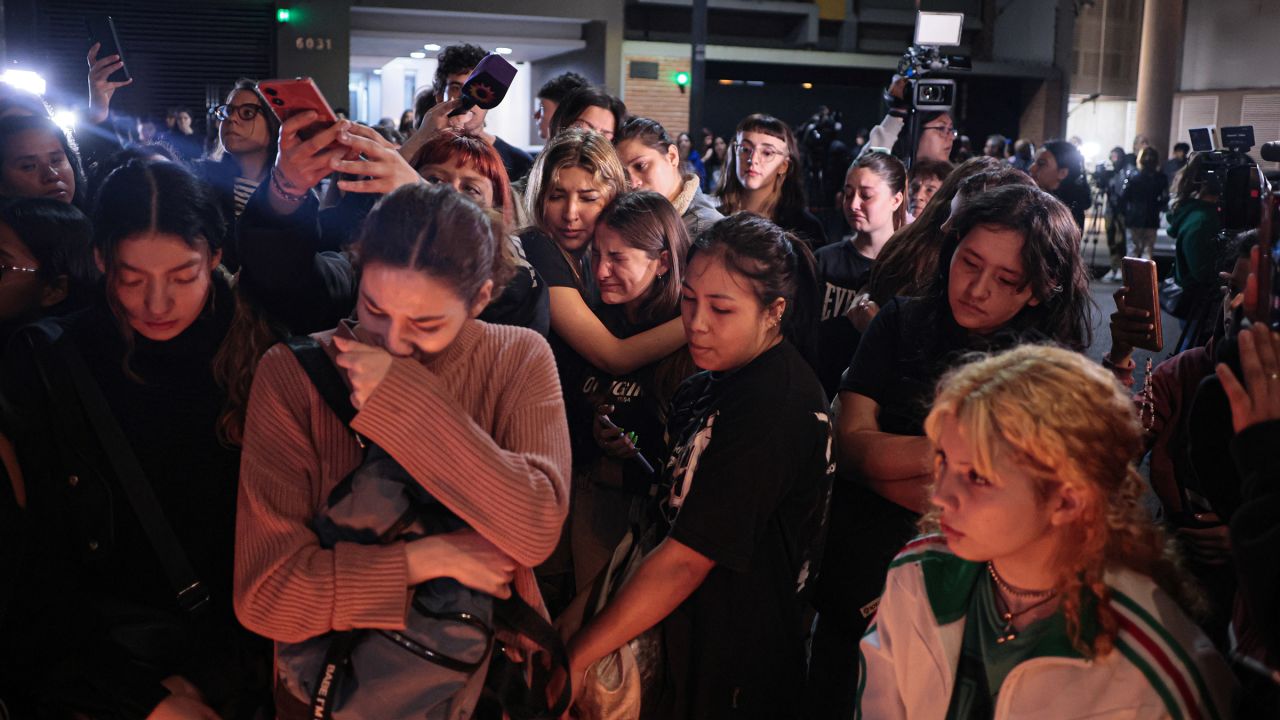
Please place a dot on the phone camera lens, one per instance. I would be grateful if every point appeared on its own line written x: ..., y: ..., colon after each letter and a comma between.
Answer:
x: 270, y: 91
x: 277, y: 101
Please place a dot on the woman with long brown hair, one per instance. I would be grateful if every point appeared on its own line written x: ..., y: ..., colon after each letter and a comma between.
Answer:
x: 764, y: 175
x: 132, y: 376
x: 638, y: 256
x: 1008, y: 272
x: 653, y: 162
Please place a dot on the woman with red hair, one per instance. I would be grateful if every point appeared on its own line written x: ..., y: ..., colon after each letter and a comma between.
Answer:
x: 471, y: 166
x: 295, y: 265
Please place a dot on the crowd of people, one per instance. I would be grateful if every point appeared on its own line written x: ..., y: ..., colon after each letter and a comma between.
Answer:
x: 386, y: 422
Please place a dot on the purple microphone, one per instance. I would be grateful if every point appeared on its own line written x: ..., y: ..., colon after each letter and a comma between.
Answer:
x: 487, y: 85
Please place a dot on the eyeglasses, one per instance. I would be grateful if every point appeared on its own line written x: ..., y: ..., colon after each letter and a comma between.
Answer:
x: 747, y: 152
x: 245, y: 113
x: 4, y: 269
x: 944, y: 129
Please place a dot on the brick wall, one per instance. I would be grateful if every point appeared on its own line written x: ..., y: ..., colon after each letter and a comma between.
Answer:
x: 659, y: 99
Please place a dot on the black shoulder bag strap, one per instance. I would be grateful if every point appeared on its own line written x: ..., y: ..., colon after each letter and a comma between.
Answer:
x: 48, y: 341
x: 333, y: 391
x: 505, y: 684
x: 328, y: 381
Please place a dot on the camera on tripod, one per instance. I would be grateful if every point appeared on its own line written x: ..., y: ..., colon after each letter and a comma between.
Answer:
x: 1227, y: 170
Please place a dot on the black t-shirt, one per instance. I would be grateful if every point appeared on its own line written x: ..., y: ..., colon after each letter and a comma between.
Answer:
x: 843, y: 272
x: 516, y: 161
x: 557, y: 270
x: 806, y: 225
x: 905, y: 351
x: 749, y: 475
x: 895, y: 365
x: 524, y: 300
x: 636, y: 407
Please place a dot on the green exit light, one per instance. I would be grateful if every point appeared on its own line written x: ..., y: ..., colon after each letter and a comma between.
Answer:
x: 682, y: 79
x: 283, y: 15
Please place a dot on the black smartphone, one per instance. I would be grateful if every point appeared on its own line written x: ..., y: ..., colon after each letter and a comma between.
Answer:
x: 102, y: 30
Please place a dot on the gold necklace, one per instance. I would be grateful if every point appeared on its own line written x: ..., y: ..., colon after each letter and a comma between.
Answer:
x: 1007, y: 616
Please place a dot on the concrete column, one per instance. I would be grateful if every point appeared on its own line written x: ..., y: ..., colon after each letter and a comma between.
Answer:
x: 316, y: 42
x: 1162, y: 30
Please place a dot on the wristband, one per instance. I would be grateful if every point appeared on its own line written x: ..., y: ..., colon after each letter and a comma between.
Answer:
x: 285, y: 194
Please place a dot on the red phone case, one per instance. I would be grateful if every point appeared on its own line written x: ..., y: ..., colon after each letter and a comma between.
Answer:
x: 1143, y: 291
x: 290, y: 97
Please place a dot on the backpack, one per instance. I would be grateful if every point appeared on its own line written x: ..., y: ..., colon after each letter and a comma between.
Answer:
x: 433, y: 667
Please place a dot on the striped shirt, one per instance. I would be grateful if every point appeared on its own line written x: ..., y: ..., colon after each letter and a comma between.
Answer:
x: 244, y: 188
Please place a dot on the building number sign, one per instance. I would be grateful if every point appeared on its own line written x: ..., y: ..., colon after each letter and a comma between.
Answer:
x: 313, y: 43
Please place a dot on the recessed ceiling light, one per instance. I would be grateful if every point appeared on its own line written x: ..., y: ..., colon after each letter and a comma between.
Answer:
x: 807, y: 86
x: 417, y: 55
x: 433, y: 47
x: 503, y: 50
x: 377, y: 71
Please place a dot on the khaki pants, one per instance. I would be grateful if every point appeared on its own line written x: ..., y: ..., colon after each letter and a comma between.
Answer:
x: 1143, y: 241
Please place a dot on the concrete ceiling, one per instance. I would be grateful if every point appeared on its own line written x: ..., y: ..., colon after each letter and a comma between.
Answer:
x: 379, y: 35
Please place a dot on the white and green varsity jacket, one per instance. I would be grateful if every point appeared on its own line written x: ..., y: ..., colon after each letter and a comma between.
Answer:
x: 1163, y: 666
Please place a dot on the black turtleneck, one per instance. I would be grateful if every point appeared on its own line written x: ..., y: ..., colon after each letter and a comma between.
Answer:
x: 88, y: 553
x: 169, y: 414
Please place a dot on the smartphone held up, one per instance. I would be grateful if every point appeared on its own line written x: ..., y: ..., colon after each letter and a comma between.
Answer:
x: 288, y: 97
x: 102, y: 32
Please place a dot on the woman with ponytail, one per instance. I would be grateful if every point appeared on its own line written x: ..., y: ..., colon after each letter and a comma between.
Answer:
x: 746, y: 488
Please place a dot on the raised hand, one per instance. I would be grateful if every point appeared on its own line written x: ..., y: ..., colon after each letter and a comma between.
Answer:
x: 366, y: 366
x: 379, y: 164
x: 1257, y: 399
x: 302, y: 164
x: 100, y: 88
x: 1130, y: 328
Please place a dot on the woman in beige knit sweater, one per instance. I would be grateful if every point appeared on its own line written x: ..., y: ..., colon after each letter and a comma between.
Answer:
x: 472, y: 411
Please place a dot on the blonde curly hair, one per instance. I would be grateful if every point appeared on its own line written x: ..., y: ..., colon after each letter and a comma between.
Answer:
x: 1066, y: 421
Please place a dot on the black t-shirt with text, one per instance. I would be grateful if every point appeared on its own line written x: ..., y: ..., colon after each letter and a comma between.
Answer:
x: 843, y: 273
x: 750, y: 479
x: 635, y: 403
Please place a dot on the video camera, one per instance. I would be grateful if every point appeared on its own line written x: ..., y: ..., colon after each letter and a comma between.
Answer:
x: 922, y: 94
x: 933, y: 31
x: 1230, y: 173
x: 1246, y: 201
x: 936, y: 94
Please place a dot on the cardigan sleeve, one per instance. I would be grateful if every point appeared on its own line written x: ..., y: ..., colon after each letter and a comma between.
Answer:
x: 287, y: 587
x: 512, y: 487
